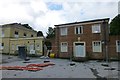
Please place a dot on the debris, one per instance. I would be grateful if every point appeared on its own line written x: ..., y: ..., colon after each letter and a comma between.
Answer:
x: 40, y: 65
x: 46, y: 61
x: 109, y: 69
x: 72, y: 63
x: 106, y: 65
x: 44, y: 57
x: 26, y: 62
x: 15, y: 75
x: 27, y: 59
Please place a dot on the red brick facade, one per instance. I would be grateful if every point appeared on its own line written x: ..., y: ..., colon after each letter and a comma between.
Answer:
x: 87, y: 37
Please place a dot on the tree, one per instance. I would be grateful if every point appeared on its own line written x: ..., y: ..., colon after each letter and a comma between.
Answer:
x: 115, y: 26
x: 50, y: 33
x: 48, y: 44
x: 39, y: 33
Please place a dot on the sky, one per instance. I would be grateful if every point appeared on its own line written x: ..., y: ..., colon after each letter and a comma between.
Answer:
x: 41, y: 14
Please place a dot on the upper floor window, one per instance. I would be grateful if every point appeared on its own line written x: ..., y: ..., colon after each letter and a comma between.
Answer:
x: 1, y: 45
x: 31, y: 35
x: 63, y: 31
x: 25, y: 34
x: 79, y: 30
x: 97, y: 47
x: 96, y: 28
x: 3, y: 35
x: 118, y: 45
x: 16, y: 34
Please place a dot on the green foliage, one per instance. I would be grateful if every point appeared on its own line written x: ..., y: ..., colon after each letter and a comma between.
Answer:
x: 50, y: 33
x: 48, y: 45
x: 115, y: 26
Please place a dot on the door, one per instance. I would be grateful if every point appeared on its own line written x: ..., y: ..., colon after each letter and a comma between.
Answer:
x: 79, y: 50
x: 22, y: 52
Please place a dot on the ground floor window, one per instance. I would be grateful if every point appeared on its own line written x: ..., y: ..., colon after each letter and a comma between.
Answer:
x: 97, y: 46
x: 13, y: 47
x: 64, y: 47
x: 118, y: 45
x: 37, y: 47
x: 31, y: 47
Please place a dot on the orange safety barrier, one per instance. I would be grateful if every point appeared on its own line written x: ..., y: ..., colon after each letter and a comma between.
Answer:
x: 29, y: 67
x: 40, y: 65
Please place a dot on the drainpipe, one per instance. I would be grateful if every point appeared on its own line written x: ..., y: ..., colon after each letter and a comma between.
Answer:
x: 34, y: 44
x: 105, y: 41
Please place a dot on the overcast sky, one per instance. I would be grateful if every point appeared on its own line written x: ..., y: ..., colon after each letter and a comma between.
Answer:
x: 41, y: 14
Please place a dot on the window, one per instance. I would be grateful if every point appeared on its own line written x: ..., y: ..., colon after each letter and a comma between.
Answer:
x: 3, y: 35
x: 96, y: 46
x: 31, y: 35
x: 79, y: 30
x: 118, y: 45
x: 31, y: 47
x: 1, y: 46
x: 63, y: 31
x: 64, y: 47
x: 96, y: 28
x: 38, y: 47
x: 13, y: 46
x: 25, y: 34
x: 16, y: 34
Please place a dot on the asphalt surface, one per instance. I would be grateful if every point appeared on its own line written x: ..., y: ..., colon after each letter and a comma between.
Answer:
x: 61, y: 69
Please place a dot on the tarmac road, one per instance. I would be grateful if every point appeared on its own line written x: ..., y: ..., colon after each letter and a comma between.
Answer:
x: 61, y: 69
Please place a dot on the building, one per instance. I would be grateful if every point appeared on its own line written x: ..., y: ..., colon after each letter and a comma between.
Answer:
x: 85, y: 40
x: 14, y: 35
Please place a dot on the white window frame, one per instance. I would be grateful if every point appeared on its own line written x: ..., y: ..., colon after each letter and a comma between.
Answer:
x: 63, y: 31
x: 96, y: 28
x: 95, y: 45
x: 117, y: 45
x: 64, y: 48
x: 79, y: 32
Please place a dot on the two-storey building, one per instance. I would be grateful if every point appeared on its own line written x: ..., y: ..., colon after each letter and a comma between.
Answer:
x: 14, y: 35
x: 84, y: 40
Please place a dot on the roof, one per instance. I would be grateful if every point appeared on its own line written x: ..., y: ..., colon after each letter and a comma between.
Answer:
x: 83, y: 22
x: 18, y: 25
